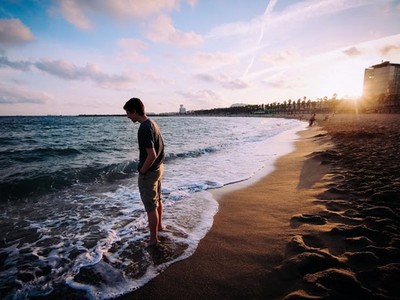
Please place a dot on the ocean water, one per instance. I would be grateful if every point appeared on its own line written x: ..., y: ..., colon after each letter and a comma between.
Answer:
x: 71, y: 218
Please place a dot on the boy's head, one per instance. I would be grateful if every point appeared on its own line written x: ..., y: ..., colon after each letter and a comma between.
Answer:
x: 134, y: 105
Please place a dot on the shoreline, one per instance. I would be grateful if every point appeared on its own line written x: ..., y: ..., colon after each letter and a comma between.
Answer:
x: 229, y: 240
x: 323, y: 224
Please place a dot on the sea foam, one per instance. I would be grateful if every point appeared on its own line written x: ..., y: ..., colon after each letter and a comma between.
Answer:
x: 89, y: 236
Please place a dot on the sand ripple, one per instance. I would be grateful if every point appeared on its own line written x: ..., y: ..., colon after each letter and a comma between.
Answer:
x: 352, y: 250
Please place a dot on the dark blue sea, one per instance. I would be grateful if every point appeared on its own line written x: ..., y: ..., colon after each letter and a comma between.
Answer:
x: 71, y: 218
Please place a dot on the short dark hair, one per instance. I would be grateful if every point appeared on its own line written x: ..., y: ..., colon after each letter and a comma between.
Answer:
x: 135, y: 104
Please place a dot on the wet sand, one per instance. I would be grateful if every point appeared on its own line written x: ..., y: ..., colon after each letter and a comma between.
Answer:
x: 323, y: 225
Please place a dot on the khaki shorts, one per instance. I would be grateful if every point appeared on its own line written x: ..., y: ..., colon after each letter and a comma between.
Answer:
x: 150, y: 188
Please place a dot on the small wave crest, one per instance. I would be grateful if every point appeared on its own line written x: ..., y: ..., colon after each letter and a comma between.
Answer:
x: 20, y: 186
x: 191, y: 153
x: 39, y: 154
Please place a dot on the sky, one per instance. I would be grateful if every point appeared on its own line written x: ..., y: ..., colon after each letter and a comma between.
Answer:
x: 69, y: 57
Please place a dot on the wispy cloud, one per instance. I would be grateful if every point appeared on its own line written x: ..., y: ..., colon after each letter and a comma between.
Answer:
x: 213, y: 59
x: 21, y: 65
x: 200, y: 98
x: 137, y: 8
x: 293, y: 14
x: 282, y: 57
x: 12, y: 95
x: 283, y: 83
x: 153, y: 14
x: 200, y: 94
x: 353, y: 51
x: 13, y: 32
x: 299, y: 12
x: 132, y: 50
x: 77, y: 11
x: 389, y: 48
x: 162, y: 30
x: 66, y: 70
x: 235, y: 84
x: 74, y: 14
x: 223, y: 79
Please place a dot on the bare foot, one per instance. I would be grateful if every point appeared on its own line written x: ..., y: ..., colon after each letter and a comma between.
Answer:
x: 153, y: 243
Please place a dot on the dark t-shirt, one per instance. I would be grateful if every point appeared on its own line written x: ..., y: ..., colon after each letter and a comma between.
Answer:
x: 149, y: 136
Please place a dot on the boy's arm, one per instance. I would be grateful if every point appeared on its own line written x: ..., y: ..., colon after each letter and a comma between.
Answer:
x: 151, y: 157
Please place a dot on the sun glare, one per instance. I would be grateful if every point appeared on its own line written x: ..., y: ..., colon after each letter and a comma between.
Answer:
x: 345, y: 84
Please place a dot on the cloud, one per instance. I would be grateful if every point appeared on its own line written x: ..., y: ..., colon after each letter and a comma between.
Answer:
x: 295, y: 13
x: 17, y: 65
x: 236, y: 84
x: 132, y: 43
x: 13, y: 32
x: 152, y: 77
x: 201, y: 98
x: 213, y: 59
x: 205, y: 77
x: 193, y: 3
x: 162, y: 30
x: 389, y: 48
x: 131, y: 49
x: 74, y: 14
x: 69, y: 71
x: 309, y: 9
x: 201, y: 94
x: 353, y: 51
x: 224, y: 80
x: 280, y: 83
x: 76, y: 11
x: 282, y: 57
x: 137, y: 8
x: 16, y: 94
x: 159, y: 28
x: 91, y: 72
x: 204, y: 99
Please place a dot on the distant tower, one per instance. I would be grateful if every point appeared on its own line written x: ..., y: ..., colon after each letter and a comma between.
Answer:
x: 182, y: 109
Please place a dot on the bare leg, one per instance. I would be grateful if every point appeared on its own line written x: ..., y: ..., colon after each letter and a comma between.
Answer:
x: 160, y: 212
x: 153, y: 224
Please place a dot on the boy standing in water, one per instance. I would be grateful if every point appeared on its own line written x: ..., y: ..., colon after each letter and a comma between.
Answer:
x: 151, y: 167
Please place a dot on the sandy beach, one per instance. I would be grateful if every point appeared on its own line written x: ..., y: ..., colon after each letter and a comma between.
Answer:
x: 323, y: 225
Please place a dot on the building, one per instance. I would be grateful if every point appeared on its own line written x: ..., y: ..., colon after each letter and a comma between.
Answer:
x: 382, y: 85
x: 182, y: 109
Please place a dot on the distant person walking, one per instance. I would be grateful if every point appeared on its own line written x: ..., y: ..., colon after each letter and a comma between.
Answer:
x: 151, y: 167
x: 312, y: 120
